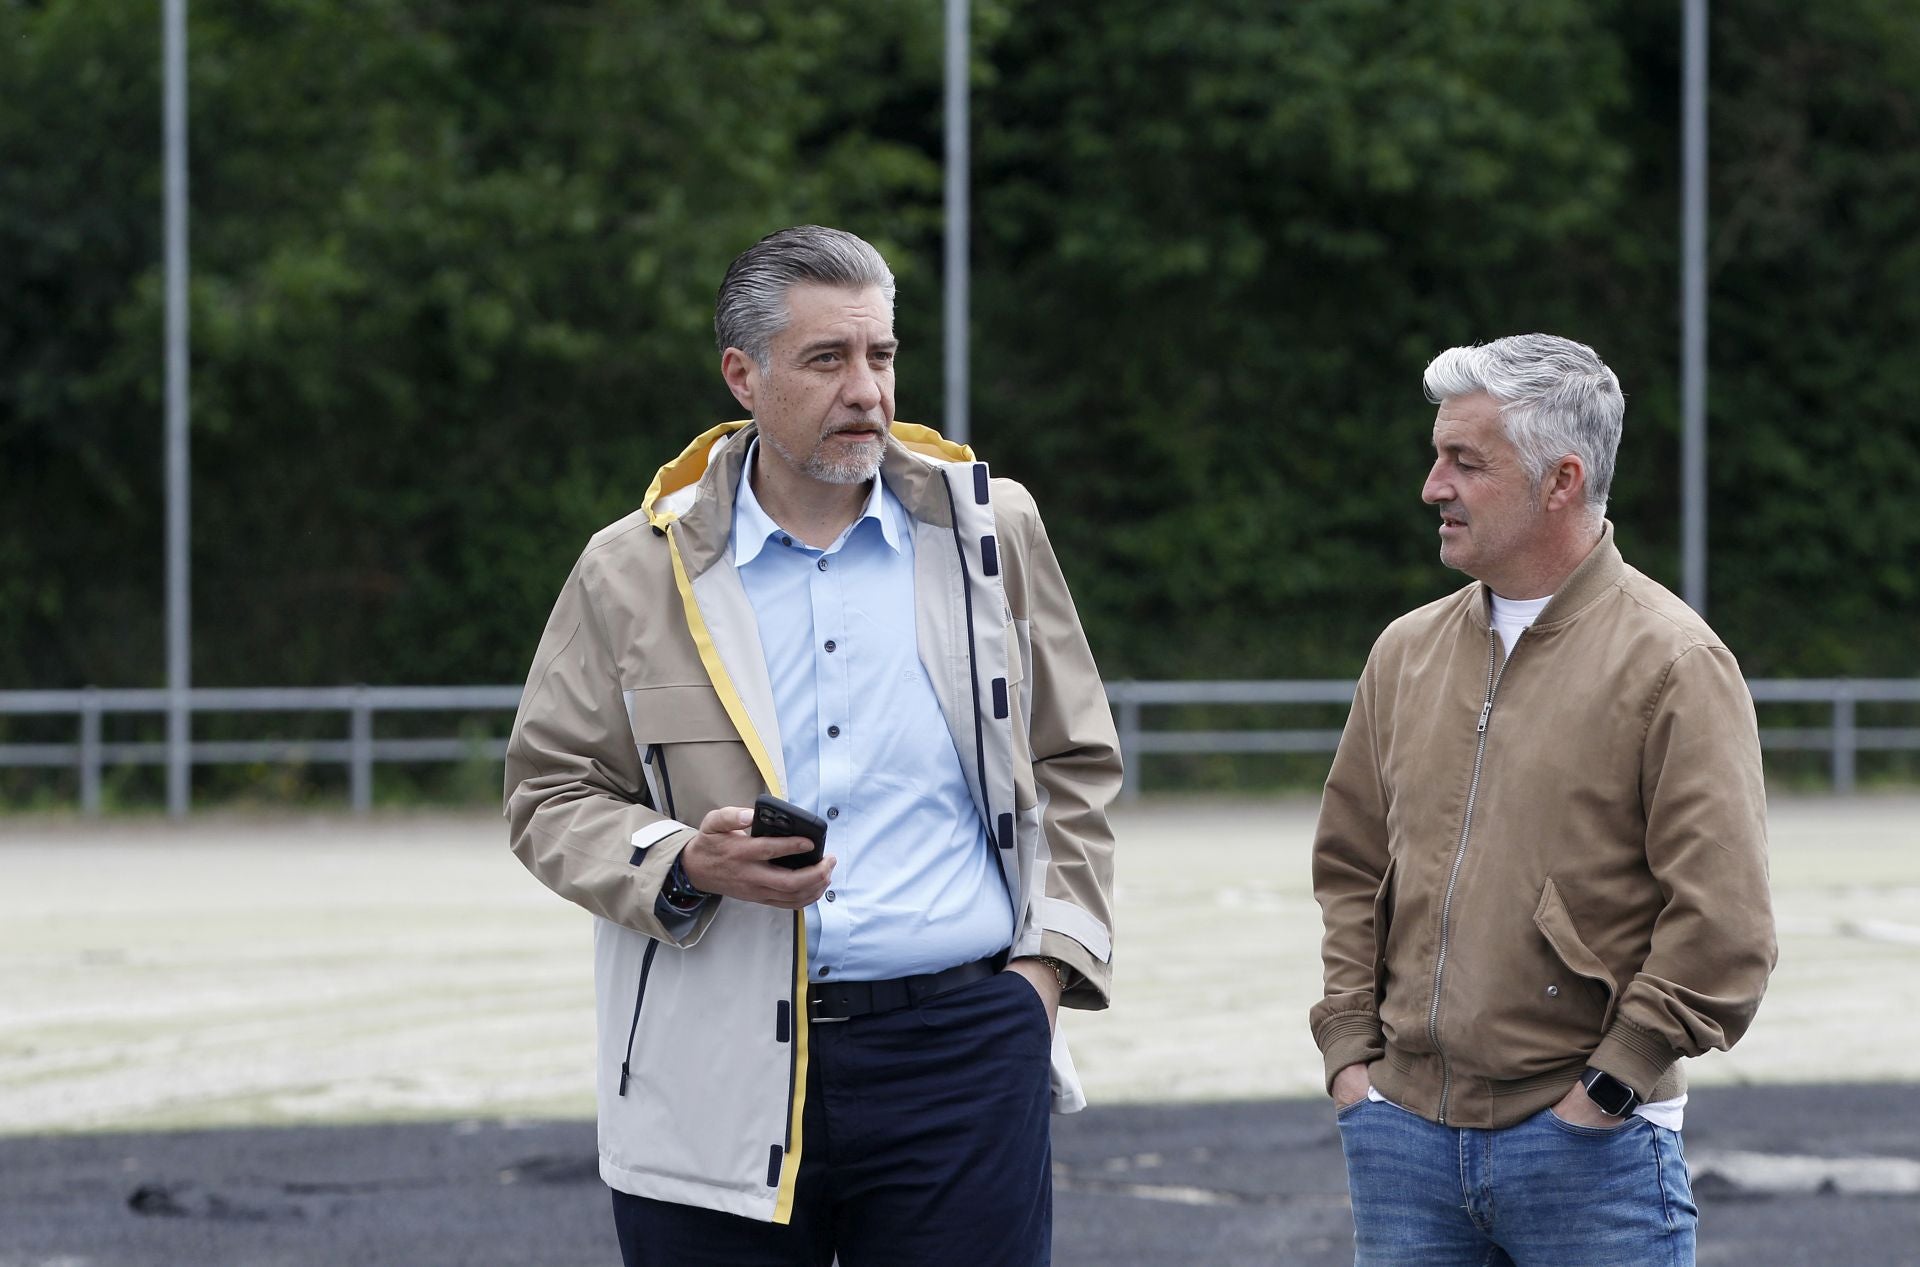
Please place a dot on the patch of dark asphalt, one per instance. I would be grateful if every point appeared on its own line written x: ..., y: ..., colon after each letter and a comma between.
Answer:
x: 1217, y: 1185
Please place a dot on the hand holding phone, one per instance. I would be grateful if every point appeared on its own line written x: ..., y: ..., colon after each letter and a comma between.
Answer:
x: 775, y: 817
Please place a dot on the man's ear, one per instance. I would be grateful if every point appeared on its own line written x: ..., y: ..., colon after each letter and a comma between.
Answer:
x: 742, y: 373
x: 1566, y: 483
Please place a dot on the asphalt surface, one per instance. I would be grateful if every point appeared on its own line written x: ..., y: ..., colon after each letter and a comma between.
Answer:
x: 1826, y: 1175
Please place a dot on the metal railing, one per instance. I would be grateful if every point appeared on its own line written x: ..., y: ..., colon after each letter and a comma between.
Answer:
x: 1130, y: 699
x: 1843, y: 739
x: 359, y: 750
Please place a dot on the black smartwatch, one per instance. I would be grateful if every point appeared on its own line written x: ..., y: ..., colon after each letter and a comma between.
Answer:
x: 1610, y: 1095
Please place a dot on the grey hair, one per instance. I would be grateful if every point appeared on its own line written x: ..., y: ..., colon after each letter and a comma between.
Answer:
x: 1556, y: 397
x: 752, y: 306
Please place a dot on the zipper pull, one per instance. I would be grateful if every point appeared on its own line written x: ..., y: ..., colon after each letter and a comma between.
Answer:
x: 623, y: 1077
x: 1486, y: 710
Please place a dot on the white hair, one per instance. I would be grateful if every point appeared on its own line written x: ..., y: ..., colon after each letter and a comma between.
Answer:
x: 752, y: 306
x: 1556, y: 397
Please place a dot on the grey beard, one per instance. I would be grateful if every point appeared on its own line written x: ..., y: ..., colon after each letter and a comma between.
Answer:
x: 857, y: 469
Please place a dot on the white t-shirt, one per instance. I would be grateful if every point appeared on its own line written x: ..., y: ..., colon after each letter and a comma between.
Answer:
x: 1511, y: 616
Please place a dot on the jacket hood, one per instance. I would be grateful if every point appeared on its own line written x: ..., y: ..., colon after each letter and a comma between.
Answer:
x: 675, y: 486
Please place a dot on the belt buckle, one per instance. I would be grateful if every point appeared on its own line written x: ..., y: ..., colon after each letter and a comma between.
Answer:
x: 813, y: 1019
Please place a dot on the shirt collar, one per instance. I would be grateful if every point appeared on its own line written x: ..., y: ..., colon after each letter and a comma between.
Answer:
x: 753, y: 527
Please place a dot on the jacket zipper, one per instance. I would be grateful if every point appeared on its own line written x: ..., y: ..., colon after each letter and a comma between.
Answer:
x: 1495, y: 670
x: 973, y: 667
x: 639, y: 997
x: 657, y: 758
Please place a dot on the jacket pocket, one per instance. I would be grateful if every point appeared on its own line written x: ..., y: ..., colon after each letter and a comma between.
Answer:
x: 677, y: 714
x: 1555, y: 923
x: 662, y: 717
x: 1382, y: 924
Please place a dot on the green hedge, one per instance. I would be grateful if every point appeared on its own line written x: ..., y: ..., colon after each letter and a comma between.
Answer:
x: 454, y: 267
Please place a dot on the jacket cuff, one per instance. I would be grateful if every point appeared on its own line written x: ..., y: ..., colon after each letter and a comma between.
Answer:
x: 1347, y: 1038
x: 1092, y: 982
x: 653, y: 861
x: 1634, y: 1056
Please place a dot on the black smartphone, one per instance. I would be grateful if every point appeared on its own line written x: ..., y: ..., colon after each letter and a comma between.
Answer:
x: 775, y: 817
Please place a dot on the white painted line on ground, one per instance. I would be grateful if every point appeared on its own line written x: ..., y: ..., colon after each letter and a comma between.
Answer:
x: 1177, y: 1194
x: 1782, y: 1174
x: 1880, y: 930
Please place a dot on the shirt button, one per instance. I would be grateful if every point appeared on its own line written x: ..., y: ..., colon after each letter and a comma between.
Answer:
x: 786, y: 541
x: 829, y: 895
x: 825, y: 971
x: 833, y: 732
x: 822, y: 565
x: 831, y: 644
x: 833, y: 811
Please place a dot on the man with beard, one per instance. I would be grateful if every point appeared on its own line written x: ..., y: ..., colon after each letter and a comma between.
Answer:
x: 857, y: 1056
x: 1541, y: 857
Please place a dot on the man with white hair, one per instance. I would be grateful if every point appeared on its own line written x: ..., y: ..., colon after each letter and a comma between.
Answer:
x: 1541, y: 857
x: 854, y: 1057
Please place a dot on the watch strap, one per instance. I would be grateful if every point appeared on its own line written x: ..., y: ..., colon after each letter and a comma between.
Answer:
x: 680, y: 892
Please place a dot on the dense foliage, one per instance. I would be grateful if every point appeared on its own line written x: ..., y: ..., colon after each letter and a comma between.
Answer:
x: 454, y: 264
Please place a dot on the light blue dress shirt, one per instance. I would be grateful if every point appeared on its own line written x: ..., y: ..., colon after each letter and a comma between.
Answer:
x: 917, y: 888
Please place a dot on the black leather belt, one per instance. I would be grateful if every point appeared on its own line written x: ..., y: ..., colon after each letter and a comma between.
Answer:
x: 842, y: 1000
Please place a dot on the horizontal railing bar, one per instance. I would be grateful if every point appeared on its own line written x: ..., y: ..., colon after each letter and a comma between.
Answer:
x: 39, y: 754
x: 1866, y: 738
x: 1332, y: 691
x: 1828, y: 690
x: 457, y: 698
x: 266, y: 699
x: 36, y: 703
x: 234, y: 751
x: 339, y: 751
x: 438, y: 749
x: 1203, y: 741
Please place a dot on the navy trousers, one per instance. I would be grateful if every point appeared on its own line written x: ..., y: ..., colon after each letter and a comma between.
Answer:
x: 925, y: 1143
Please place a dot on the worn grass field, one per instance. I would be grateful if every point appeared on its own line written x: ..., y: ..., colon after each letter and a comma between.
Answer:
x: 251, y: 971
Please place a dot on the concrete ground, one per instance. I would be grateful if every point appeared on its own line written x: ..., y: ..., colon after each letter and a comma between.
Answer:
x: 392, y: 977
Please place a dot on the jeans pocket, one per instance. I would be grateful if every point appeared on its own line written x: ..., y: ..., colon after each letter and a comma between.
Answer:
x: 1345, y: 1112
x: 1591, y: 1132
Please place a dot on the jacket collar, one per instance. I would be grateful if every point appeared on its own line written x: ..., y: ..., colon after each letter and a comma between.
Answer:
x: 1597, y: 574
x: 695, y: 492
x: 753, y: 527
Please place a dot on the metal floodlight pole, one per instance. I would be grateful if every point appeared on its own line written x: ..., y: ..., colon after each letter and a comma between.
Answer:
x: 1693, y: 313
x: 958, y: 159
x: 179, y: 615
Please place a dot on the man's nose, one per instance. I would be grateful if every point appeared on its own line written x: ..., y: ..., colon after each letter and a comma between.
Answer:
x: 862, y: 389
x: 1436, y: 489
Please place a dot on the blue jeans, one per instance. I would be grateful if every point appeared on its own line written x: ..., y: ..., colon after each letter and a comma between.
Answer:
x: 1542, y: 1193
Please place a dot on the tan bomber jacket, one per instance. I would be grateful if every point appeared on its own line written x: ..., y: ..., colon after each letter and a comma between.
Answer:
x: 1529, y: 865
x: 648, y: 705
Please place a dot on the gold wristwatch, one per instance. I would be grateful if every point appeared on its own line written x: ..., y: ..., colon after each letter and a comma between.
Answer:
x: 1061, y: 972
